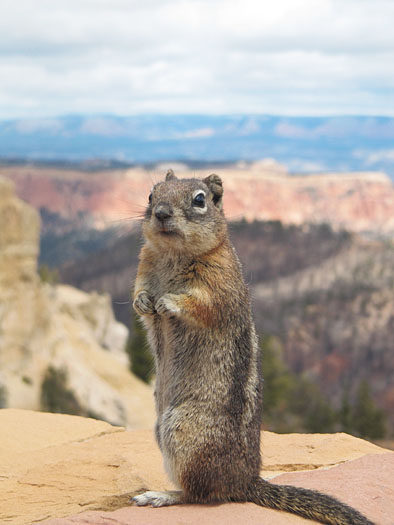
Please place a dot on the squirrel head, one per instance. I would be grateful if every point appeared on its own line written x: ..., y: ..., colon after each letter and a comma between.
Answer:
x: 185, y: 215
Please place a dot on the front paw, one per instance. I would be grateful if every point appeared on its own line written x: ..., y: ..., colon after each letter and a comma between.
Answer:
x: 142, y: 304
x: 167, y: 305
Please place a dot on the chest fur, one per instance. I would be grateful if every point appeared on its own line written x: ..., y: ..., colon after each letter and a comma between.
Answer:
x: 170, y: 275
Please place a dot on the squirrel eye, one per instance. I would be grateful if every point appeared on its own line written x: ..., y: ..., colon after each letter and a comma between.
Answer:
x: 150, y: 198
x: 199, y: 200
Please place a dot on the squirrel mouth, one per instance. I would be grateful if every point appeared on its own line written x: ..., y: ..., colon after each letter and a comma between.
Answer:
x: 168, y: 233
x: 166, y: 229
x: 165, y: 232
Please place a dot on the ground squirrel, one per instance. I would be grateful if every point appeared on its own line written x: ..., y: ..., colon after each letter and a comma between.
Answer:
x: 195, y: 305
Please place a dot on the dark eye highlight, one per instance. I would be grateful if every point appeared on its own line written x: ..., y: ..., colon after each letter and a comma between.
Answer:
x: 150, y: 198
x: 199, y: 200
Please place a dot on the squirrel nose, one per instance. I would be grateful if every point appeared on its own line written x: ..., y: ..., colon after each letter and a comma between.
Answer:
x: 163, y: 211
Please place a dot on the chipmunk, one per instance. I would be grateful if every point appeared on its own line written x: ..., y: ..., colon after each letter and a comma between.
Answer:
x: 193, y: 301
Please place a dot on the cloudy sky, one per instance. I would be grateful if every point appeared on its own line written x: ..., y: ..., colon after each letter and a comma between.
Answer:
x: 292, y: 57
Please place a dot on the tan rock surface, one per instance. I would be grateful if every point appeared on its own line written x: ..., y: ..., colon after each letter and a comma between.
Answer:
x: 297, y: 452
x: 24, y: 431
x: 53, y: 466
x: 71, y: 331
x: 365, y: 483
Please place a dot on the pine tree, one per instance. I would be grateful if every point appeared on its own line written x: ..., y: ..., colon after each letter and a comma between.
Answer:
x: 291, y: 403
x: 314, y: 410
x: 345, y: 412
x: 57, y: 396
x: 278, y: 381
x: 3, y: 396
x: 367, y: 420
x: 141, y: 361
x: 320, y: 416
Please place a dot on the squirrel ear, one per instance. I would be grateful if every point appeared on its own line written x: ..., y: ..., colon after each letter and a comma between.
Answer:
x: 170, y: 175
x: 215, y: 185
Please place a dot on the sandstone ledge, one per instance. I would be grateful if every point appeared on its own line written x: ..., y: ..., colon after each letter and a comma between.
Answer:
x: 64, y: 470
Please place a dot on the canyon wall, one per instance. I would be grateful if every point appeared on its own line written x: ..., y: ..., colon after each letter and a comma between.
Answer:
x: 262, y: 190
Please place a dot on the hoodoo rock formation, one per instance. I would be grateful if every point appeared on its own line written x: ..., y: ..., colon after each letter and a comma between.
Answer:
x: 59, y: 344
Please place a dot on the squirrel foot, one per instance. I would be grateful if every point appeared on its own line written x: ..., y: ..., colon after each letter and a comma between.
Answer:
x: 158, y: 499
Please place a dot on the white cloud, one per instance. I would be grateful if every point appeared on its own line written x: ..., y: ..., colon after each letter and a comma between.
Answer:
x: 213, y: 56
x: 304, y: 166
x: 375, y: 157
x: 199, y: 133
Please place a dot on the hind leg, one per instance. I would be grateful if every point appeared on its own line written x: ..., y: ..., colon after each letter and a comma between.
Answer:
x: 158, y: 499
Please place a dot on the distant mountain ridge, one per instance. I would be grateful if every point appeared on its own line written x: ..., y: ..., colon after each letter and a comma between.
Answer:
x: 303, y: 144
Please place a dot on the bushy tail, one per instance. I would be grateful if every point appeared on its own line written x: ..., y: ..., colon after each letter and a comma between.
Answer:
x: 309, y: 504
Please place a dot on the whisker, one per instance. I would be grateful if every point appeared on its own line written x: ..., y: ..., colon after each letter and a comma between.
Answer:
x: 235, y: 217
x: 126, y: 219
